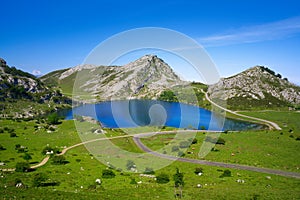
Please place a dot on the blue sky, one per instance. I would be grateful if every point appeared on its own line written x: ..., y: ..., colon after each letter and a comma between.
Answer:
x: 49, y: 35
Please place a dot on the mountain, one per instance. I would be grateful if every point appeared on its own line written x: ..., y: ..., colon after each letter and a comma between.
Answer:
x: 146, y: 77
x: 23, y: 95
x: 257, y: 87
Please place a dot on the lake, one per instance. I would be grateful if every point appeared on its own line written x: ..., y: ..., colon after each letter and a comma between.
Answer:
x: 134, y: 113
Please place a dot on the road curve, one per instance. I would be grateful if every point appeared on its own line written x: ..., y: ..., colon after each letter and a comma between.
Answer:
x: 217, y: 164
x: 269, y: 123
x: 136, y: 139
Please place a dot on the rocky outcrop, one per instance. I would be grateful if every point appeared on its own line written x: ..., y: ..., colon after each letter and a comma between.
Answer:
x: 256, y: 84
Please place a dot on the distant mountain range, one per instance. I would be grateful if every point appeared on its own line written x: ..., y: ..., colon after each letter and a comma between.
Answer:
x: 149, y: 77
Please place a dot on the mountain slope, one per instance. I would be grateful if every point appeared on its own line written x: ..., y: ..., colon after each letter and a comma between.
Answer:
x: 146, y: 77
x: 257, y: 87
x: 23, y: 95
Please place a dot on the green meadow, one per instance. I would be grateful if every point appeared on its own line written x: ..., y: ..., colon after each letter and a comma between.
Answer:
x: 76, y: 178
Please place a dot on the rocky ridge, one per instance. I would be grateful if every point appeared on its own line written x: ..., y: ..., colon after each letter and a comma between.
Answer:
x: 256, y: 84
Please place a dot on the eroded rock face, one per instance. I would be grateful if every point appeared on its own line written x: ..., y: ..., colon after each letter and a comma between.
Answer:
x: 256, y: 83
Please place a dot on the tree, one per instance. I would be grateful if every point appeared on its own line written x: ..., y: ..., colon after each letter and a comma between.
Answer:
x: 22, y: 167
x: 107, y: 173
x: 27, y: 157
x: 162, y: 178
x: 178, y: 179
x: 168, y: 95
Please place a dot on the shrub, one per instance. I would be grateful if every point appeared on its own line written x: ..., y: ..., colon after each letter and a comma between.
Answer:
x: 27, y: 157
x: 215, y: 140
x: 195, y: 141
x: 226, y: 173
x: 22, y: 167
x: 181, y: 153
x: 53, y: 119
x: 107, y: 173
x: 130, y: 164
x: 220, y: 141
x: 198, y: 170
x: 162, y: 178
x: 149, y: 170
x: 39, y: 179
x: 1, y: 130
x: 59, y: 160
x: 133, y: 181
x: 13, y: 134
x: 175, y: 148
x: 2, y: 148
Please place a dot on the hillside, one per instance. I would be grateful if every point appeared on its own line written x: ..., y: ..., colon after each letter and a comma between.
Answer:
x: 23, y: 95
x: 256, y: 88
x: 148, y: 77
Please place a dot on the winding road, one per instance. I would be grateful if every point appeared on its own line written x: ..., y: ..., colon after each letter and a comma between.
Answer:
x: 267, y: 122
x: 136, y: 139
x: 217, y: 164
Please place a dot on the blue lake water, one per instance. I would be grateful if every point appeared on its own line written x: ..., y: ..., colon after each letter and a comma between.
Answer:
x: 133, y: 113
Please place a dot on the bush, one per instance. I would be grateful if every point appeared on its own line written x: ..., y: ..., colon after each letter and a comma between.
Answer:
x: 1, y: 130
x: 53, y: 119
x: 215, y: 140
x: 195, y: 141
x: 226, y: 173
x: 149, y: 170
x: 27, y: 157
x: 107, y: 173
x: 133, y: 181
x: 220, y: 141
x: 13, y: 134
x: 162, y: 178
x: 22, y: 167
x: 181, y: 153
x: 130, y: 164
x: 198, y: 170
x: 38, y: 180
x: 59, y: 160
x: 2, y: 148
x: 175, y: 148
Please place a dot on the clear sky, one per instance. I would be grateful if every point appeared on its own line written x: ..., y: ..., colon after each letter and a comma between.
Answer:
x: 53, y: 34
